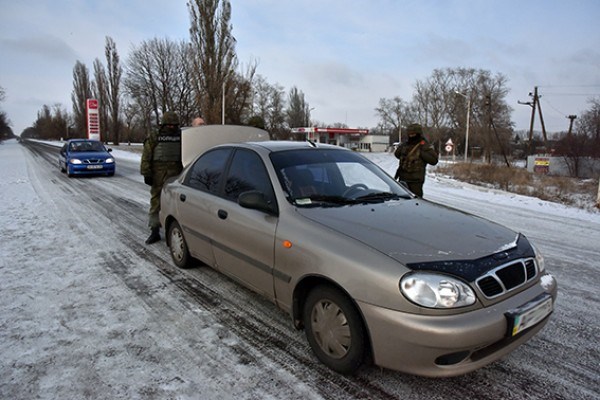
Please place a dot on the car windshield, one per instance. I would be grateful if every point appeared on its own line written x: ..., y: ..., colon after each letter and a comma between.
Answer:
x: 333, y: 177
x: 86, y: 146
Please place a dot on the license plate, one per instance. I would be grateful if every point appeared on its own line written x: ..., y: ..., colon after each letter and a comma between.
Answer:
x: 94, y: 167
x: 529, y: 314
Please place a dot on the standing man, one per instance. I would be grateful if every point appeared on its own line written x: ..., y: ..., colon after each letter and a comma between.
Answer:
x: 161, y: 159
x: 414, y: 155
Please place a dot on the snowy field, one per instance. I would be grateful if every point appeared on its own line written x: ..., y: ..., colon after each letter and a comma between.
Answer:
x: 88, y: 311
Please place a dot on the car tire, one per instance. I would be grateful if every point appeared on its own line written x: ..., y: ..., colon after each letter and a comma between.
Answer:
x: 60, y: 165
x: 178, y: 246
x: 334, y: 329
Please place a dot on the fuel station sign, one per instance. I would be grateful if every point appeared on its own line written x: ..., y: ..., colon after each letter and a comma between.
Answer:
x: 93, y: 119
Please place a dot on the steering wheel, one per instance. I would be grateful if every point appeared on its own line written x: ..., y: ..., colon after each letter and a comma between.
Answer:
x: 355, y: 188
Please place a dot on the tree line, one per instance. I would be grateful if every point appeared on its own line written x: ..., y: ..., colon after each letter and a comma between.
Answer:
x: 200, y: 77
x: 203, y: 77
x: 5, y: 129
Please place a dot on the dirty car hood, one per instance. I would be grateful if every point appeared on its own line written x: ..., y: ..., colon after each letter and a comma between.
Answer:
x: 417, y: 231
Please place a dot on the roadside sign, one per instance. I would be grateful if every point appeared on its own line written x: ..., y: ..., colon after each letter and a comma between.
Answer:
x: 93, y: 119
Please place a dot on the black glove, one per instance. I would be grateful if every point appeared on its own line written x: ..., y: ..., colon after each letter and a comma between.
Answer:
x: 148, y: 180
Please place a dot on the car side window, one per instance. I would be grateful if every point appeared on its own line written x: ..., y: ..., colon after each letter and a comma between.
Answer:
x: 206, y: 173
x: 247, y: 172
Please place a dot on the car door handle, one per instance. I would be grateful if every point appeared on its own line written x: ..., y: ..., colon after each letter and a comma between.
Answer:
x: 182, y: 197
x: 222, y: 214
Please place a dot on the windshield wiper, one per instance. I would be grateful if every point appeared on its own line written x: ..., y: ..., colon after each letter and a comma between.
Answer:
x: 380, y: 197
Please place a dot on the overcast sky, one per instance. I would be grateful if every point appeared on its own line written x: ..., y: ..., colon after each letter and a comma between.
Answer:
x: 343, y: 54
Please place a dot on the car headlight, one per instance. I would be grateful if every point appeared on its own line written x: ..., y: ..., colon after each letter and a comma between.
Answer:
x: 109, y: 160
x: 75, y: 161
x: 436, y: 291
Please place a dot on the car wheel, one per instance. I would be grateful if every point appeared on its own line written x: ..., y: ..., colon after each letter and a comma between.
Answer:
x: 334, y: 329
x: 178, y: 246
x: 60, y: 165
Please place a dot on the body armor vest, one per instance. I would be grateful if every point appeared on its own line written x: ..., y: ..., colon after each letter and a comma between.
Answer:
x: 168, y: 146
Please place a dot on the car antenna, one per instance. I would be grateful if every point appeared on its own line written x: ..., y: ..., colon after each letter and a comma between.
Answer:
x: 313, y: 144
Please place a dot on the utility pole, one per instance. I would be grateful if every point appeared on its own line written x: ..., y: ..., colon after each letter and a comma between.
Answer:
x: 572, y: 118
x: 532, y: 105
x: 541, y: 119
x: 535, y: 104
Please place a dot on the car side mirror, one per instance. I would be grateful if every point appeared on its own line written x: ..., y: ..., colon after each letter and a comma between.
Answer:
x: 256, y: 200
x: 109, y: 149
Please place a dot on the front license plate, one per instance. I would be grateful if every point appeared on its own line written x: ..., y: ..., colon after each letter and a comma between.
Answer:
x: 94, y: 167
x: 529, y: 314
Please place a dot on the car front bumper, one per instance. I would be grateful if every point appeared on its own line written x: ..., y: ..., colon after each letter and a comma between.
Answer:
x: 91, y: 169
x: 449, y: 345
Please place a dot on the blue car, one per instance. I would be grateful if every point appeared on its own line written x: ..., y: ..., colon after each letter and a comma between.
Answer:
x: 86, y: 157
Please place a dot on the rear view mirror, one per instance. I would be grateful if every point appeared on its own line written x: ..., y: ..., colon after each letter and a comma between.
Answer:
x: 256, y: 200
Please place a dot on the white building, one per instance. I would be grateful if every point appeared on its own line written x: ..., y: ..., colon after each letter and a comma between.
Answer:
x: 355, y: 139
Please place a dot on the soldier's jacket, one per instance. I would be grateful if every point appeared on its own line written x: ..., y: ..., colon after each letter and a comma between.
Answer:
x: 162, y: 151
x: 413, y: 159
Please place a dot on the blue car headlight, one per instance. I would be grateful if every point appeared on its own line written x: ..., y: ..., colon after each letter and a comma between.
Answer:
x: 74, y: 161
x: 436, y: 290
x: 109, y: 160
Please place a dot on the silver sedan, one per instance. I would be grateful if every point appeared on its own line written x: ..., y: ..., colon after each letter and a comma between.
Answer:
x: 369, y: 271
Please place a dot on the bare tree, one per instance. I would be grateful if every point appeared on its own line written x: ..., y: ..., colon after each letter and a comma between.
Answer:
x: 392, y: 114
x: 588, y: 124
x: 51, y: 123
x: 158, y: 79
x: 115, y: 71
x: 430, y: 101
x: 239, y: 96
x: 269, y: 104
x: 442, y: 112
x: 100, y: 92
x: 81, y: 92
x: 215, y: 60
x: 5, y: 129
x: 298, y: 112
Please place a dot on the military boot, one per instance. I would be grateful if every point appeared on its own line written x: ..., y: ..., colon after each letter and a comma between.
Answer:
x: 154, y: 236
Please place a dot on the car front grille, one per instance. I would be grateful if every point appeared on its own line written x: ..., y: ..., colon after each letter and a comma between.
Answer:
x: 93, y: 161
x: 507, y: 277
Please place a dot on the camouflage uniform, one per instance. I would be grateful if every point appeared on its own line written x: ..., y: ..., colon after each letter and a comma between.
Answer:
x: 414, y: 155
x: 161, y: 159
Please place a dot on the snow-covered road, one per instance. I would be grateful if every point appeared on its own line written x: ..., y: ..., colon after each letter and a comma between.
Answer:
x: 88, y: 311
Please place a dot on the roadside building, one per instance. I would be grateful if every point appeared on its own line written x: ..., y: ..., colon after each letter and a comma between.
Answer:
x: 353, y: 138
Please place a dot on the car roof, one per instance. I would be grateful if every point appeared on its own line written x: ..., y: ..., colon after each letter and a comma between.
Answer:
x: 284, y: 145
x: 82, y: 140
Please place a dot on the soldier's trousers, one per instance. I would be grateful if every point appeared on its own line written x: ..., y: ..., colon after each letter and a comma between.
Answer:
x: 159, y: 176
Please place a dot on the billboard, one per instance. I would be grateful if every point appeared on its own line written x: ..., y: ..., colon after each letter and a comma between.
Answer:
x: 93, y: 119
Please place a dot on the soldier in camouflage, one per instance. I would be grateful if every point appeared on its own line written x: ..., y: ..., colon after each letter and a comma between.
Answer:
x: 413, y: 156
x: 161, y: 159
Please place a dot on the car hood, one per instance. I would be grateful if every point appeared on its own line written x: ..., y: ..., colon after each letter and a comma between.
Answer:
x: 90, y: 154
x: 417, y: 231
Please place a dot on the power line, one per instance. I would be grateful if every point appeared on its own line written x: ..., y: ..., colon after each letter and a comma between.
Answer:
x: 571, y: 94
x: 568, y: 86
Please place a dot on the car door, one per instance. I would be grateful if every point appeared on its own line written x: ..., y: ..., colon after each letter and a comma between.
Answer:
x: 197, y: 203
x: 243, y: 239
